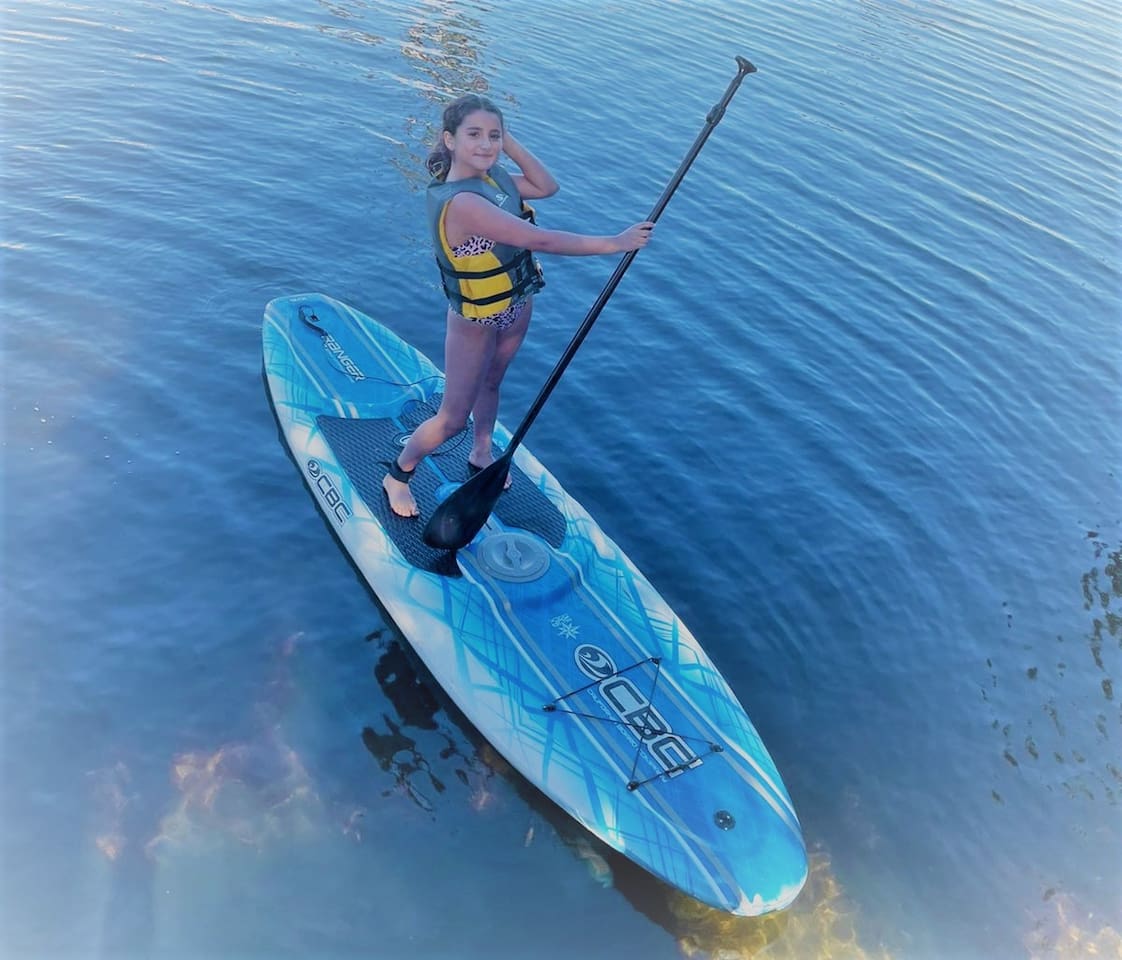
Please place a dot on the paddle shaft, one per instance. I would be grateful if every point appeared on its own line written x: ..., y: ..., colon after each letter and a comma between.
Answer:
x: 744, y: 67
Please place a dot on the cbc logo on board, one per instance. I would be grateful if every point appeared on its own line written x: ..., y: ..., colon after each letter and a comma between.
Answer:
x: 633, y: 708
x: 327, y: 490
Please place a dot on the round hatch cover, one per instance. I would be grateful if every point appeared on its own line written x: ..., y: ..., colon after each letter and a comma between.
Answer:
x: 516, y: 557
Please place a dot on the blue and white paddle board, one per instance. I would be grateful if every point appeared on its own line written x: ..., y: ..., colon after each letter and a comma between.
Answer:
x: 541, y: 630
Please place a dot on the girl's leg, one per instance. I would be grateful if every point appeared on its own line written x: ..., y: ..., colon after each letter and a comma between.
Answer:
x: 468, y: 351
x: 486, y: 407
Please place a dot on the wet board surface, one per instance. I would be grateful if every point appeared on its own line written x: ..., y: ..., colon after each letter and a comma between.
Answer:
x: 542, y: 631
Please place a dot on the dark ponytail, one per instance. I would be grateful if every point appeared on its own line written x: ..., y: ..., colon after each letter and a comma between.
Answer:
x: 439, y: 161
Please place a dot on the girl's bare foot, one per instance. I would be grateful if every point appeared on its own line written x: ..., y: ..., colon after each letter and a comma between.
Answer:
x: 396, y: 485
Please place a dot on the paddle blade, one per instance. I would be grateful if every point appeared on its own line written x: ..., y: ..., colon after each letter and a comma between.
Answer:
x: 461, y: 516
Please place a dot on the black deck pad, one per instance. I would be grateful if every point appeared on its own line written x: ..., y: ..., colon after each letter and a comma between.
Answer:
x: 363, y: 447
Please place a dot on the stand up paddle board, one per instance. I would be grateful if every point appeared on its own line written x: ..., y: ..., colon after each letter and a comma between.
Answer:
x: 541, y: 630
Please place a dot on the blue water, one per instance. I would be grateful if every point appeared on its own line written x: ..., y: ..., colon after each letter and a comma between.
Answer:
x: 856, y: 413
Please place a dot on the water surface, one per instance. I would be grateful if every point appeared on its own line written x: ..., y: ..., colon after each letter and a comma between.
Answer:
x: 855, y: 413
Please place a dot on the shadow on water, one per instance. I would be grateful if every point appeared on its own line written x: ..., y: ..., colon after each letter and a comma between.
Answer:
x: 820, y: 924
x: 399, y: 754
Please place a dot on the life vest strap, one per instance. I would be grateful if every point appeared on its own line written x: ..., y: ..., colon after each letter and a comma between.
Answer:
x: 513, y: 293
x: 479, y: 274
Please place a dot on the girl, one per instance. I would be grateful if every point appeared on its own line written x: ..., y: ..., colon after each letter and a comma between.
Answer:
x: 483, y: 235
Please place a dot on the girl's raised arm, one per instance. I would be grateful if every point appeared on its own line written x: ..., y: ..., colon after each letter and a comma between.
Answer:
x: 535, y: 181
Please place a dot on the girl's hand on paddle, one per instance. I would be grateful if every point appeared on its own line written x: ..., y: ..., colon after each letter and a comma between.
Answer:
x: 635, y: 237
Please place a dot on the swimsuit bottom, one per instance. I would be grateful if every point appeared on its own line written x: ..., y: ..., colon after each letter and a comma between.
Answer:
x: 503, y: 319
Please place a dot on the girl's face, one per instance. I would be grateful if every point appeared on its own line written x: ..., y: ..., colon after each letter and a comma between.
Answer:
x: 477, y: 142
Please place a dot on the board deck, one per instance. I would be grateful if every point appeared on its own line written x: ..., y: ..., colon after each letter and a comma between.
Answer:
x: 542, y: 631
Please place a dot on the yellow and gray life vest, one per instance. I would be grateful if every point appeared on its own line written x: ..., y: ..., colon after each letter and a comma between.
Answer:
x: 483, y: 284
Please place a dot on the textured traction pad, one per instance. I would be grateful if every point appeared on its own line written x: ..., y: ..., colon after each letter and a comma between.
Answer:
x: 364, y: 447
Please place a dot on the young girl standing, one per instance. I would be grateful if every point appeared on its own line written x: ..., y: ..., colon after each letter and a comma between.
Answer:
x: 483, y: 235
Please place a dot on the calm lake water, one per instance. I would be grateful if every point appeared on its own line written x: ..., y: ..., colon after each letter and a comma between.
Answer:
x: 856, y: 413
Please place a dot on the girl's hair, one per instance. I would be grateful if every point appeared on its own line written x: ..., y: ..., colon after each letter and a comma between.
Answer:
x: 440, y: 159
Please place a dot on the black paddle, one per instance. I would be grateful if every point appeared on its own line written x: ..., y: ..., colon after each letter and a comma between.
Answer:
x: 462, y: 515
